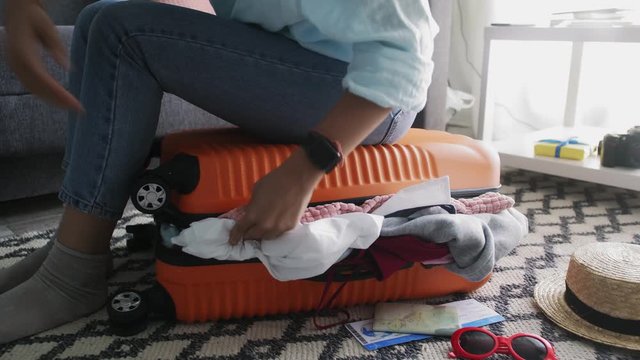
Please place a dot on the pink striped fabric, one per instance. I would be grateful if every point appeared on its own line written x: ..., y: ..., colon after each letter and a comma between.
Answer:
x: 323, y: 211
x: 490, y: 202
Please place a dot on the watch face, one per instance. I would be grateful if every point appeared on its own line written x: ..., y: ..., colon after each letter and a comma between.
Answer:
x: 322, y: 152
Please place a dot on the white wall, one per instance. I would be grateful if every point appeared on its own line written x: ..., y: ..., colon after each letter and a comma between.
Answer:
x: 531, y: 87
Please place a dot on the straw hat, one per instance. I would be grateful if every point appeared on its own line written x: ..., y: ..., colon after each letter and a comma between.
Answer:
x: 602, y: 284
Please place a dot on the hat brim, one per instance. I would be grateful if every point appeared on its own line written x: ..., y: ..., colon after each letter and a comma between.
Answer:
x: 549, y: 295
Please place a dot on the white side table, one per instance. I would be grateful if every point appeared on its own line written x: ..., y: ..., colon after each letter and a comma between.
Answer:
x: 518, y: 152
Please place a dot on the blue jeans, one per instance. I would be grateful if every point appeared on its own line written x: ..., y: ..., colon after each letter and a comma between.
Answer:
x: 125, y: 55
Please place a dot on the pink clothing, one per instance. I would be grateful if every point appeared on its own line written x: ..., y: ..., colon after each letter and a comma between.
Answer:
x: 337, y: 208
x: 490, y: 202
x: 323, y: 211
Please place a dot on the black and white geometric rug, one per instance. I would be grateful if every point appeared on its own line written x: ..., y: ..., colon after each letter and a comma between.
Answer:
x: 563, y: 214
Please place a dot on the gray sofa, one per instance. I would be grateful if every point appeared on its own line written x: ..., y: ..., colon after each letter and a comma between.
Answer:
x: 32, y: 133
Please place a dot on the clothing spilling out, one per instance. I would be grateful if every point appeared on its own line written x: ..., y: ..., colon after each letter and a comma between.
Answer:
x: 419, y: 224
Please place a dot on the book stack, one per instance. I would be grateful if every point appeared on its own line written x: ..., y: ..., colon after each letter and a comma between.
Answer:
x: 612, y: 17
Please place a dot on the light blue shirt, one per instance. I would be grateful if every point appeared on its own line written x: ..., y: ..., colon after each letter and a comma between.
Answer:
x: 387, y: 43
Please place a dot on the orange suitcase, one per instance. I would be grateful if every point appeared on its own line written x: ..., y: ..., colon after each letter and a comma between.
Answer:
x: 205, y: 173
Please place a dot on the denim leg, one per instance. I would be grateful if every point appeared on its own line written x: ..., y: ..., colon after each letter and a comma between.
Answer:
x: 122, y: 103
x: 78, y: 51
x: 260, y: 81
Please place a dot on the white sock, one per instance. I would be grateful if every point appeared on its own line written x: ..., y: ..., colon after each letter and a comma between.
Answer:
x: 21, y: 271
x: 68, y: 286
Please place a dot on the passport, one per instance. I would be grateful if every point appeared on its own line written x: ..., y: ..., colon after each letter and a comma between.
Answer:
x: 440, y: 320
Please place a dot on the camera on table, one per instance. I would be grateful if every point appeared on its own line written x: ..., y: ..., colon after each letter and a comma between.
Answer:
x: 621, y: 149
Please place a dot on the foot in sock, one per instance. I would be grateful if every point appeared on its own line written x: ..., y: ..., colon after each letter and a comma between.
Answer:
x: 68, y: 286
x: 21, y: 271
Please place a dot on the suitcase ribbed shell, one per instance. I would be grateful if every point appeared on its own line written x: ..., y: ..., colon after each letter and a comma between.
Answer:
x: 202, y: 293
x: 231, y: 163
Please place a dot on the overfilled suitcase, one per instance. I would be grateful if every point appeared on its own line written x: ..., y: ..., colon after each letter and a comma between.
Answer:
x: 205, y: 173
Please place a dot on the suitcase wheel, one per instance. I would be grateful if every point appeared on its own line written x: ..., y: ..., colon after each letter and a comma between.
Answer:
x: 128, y: 312
x: 150, y: 195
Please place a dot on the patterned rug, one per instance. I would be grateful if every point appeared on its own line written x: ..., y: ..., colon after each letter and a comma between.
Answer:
x: 563, y: 215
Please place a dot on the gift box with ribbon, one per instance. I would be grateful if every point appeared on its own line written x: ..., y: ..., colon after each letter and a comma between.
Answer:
x: 567, y: 149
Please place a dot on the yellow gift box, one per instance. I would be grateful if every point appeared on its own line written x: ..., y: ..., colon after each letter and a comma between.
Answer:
x: 566, y: 149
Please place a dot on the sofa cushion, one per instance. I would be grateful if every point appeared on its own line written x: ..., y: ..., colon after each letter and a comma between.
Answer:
x: 23, y: 177
x: 31, y: 127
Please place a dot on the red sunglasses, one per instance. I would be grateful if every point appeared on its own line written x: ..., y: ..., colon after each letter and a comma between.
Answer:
x: 475, y: 343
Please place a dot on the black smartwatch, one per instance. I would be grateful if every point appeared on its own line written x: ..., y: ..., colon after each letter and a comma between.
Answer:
x: 323, y: 153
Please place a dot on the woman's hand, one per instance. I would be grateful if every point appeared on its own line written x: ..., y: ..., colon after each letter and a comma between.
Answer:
x: 28, y: 28
x: 278, y: 200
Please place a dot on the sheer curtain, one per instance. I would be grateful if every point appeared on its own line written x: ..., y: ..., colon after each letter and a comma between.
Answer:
x: 532, y: 77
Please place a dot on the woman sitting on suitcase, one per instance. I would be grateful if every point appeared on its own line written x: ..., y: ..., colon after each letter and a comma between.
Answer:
x: 330, y: 74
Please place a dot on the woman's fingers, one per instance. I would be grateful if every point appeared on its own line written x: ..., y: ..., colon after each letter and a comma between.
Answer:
x: 255, y: 232
x: 38, y: 81
x: 271, y: 234
x: 43, y: 85
x: 251, y: 227
x: 277, y: 203
x: 239, y: 229
x: 51, y: 41
x: 24, y: 39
